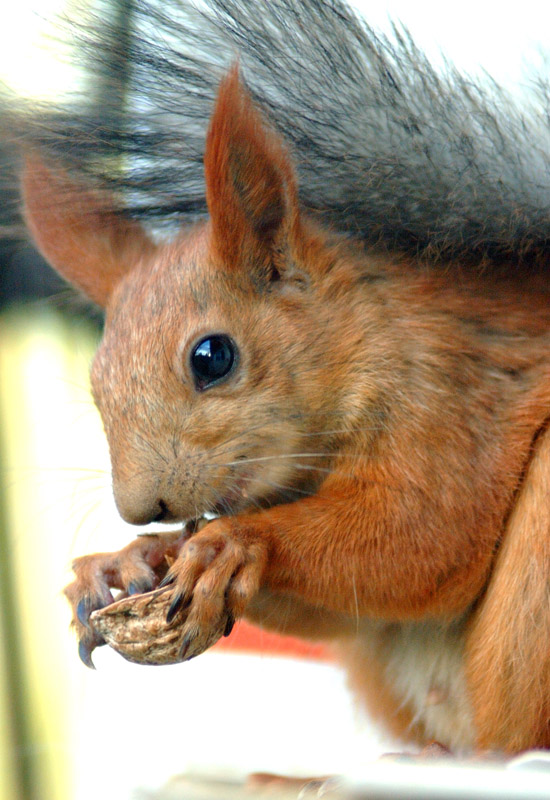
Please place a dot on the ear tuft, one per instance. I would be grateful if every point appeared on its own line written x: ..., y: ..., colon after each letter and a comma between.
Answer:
x: 250, y: 183
x: 77, y: 231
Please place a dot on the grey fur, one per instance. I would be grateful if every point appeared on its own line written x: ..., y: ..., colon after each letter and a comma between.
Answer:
x: 386, y: 148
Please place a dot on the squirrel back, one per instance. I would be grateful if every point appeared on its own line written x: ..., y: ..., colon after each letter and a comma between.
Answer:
x: 431, y: 165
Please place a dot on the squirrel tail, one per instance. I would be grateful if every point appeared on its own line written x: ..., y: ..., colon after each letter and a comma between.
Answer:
x: 387, y: 148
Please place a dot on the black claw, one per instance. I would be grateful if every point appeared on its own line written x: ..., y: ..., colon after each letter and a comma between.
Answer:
x: 184, y: 648
x: 139, y: 587
x: 85, y: 654
x: 229, y: 624
x: 83, y: 611
x: 177, y: 603
x: 167, y: 580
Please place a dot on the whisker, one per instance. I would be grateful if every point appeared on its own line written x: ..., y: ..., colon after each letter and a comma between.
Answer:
x: 311, y: 468
x: 146, y: 471
x: 342, y: 430
x: 39, y: 468
x: 151, y: 447
x: 356, y: 601
x: 273, y: 457
x: 280, y: 486
x: 276, y: 456
x: 218, y: 451
x: 294, y: 416
x: 85, y: 388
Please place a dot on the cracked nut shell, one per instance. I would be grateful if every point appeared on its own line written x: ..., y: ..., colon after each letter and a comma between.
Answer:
x: 136, y: 628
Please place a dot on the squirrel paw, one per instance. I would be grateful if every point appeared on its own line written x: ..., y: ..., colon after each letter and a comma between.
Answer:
x: 135, y: 569
x: 216, y: 574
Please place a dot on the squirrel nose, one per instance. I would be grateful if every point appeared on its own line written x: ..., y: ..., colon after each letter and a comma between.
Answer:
x: 143, y: 499
x: 143, y: 511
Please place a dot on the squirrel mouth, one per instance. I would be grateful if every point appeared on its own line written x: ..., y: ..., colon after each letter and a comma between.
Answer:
x: 235, y: 499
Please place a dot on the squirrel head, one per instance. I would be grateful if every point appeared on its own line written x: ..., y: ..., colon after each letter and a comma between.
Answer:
x: 218, y: 377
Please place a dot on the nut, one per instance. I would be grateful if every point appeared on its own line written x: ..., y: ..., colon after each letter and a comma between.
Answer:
x: 136, y: 628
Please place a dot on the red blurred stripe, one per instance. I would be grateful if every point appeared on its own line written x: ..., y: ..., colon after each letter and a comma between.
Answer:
x: 250, y: 639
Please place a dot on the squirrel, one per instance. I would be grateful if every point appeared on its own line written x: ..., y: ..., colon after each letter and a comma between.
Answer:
x: 344, y: 352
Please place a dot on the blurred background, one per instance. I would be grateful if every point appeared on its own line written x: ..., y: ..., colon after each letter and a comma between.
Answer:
x: 258, y: 704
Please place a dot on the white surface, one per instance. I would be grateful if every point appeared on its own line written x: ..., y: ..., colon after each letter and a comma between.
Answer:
x: 219, y: 715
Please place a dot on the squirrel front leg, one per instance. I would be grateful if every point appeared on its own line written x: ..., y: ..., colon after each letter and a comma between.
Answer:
x: 508, y: 658
x: 354, y: 549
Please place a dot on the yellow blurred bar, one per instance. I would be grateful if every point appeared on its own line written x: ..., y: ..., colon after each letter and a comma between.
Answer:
x: 8, y: 781
x: 48, y: 422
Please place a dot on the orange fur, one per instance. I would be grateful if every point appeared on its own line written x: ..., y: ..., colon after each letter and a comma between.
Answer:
x: 91, y: 246
x: 508, y: 645
x: 250, y: 186
x: 373, y: 447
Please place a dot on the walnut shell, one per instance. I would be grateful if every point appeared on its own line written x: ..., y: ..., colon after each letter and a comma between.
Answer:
x: 136, y: 628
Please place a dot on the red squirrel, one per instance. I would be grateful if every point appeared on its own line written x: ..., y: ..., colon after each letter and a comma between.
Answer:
x: 370, y: 429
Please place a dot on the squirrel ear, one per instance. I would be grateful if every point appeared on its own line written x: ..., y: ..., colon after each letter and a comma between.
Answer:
x: 250, y: 183
x: 77, y: 232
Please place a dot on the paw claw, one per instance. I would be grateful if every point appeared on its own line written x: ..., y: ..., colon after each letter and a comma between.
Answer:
x: 229, y: 624
x: 85, y: 654
x: 139, y: 587
x: 83, y: 611
x: 179, y: 602
x: 168, y: 579
x: 184, y: 647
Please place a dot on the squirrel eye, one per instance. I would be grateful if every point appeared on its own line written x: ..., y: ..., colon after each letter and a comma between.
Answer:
x: 212, y: 359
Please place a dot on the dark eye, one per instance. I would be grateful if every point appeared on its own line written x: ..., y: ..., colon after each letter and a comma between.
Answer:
x: 212, y: 359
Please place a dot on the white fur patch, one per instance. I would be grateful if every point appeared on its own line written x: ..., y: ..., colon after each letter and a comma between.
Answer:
x: 422, y: 662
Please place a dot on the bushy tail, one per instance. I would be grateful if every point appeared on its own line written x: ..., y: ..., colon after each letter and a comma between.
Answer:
x: 386, y: 147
